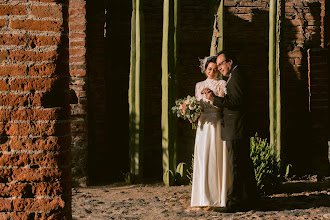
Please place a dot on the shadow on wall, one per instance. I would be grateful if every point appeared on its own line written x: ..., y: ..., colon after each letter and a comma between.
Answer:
x: 246, y: 33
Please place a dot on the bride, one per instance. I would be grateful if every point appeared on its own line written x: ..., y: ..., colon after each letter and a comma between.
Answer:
x: 211, y: 173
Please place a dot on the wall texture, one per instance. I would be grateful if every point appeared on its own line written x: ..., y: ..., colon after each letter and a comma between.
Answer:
x: 78, y: 87
x: 99, y: 68
x: 34, y: 110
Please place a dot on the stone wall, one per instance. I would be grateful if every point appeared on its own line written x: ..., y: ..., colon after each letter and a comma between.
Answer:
x: 34, y: 110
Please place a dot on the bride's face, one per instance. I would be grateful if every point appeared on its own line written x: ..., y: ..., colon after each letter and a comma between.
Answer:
x: 212, y: 71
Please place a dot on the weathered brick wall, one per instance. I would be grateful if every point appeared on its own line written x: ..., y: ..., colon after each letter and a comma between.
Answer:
x: 78, y: 86
x: 246, y: 33
x: 302, y: 29
x: 34, y: 110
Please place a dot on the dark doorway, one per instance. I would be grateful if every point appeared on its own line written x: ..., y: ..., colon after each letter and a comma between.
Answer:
x: 108, y: 64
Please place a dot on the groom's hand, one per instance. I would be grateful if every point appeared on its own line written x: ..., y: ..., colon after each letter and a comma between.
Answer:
x: 209, y: 95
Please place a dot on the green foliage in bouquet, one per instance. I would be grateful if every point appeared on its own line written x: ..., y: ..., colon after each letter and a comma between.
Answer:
x: 266, y: 166
x: 188, y: 108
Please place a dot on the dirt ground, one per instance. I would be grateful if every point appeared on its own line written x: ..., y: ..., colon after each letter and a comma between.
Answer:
x: 297, y: 200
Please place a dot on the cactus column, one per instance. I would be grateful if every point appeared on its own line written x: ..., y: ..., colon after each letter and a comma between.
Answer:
x: 274, y: 77
x: 169, y: 59
x: 136, y: 91
x: 217, y: 43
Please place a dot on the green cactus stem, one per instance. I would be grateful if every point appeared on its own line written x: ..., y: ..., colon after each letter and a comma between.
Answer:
x: 169, y: 60
x: 136, y: 90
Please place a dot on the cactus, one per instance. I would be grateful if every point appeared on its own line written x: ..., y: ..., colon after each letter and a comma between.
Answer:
x: 136, y: 90
x: 274, y: 78
x: 169, y: 59
x: 130, y: 178
x: 168, y: 178
x: 181, y: 174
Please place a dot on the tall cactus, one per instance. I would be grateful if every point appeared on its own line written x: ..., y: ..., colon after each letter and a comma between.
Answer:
x: 217, y: 43
x: 169, y: 60
x: 274, y: 77
x: 136, y: 90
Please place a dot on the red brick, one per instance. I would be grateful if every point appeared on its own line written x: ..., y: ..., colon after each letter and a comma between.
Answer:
x: 17, y: 129
x: 5, y: 204
x: 33, y: 56
x: 48, y: 189
x: 77, y: 43
x: 21, y: 215
x: 77, y: 51
x: 77, y: 20
x: 77, y: 67
x: 4, y: 85
x: 40, y: 204
x: 48, y: 69
x: 52, y: 216
x: 81, y: 36
x: 5, y: 175
x: 79, y: 59
x: 77, y: 4
x: 37, y: 84
x: 15, y: 189
x: 3, y: 22
x: 4, y: 55
x: 49, y: 129
x: 13, y: 100
x: 12, y: 10
x: 77, y: 27
x: 40, y: 174
x: 39, y: 114
x: 50, y: 160
x: 18, y: 70
x: 78, y: 73
x: 37, y: 25
x: 44, y: 143
x: 50, y: 1
x: 12, y: 39
x: 14, y: 159
x: 53, y: 11
x: 44, y: 40
x: 77, y: 12
x: 35, y: 99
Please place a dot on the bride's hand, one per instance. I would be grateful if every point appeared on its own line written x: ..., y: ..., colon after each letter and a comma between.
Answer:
x: 205, y: 90
x: 210, y: 95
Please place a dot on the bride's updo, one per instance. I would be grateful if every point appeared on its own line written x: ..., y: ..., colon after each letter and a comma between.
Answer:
x: 205, y: 62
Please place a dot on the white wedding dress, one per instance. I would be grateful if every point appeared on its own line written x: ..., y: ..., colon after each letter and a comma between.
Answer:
x: 211, y: 173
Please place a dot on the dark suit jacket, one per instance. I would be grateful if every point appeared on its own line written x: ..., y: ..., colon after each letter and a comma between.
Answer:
x: 234, y: 106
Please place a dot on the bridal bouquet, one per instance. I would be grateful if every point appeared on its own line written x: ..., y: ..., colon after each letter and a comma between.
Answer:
x: 188, y: 108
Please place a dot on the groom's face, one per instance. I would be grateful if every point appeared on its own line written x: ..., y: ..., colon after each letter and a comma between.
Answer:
x: 224, y: 66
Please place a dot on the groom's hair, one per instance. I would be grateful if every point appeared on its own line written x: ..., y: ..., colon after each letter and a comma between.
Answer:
x: 229, y: 56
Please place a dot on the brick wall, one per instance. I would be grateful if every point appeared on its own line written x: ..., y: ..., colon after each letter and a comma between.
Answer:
x: 318, y: 77
x: 78, y: 86
x: 246, y: 32
x: 34, y: 110
x: 302, y: 30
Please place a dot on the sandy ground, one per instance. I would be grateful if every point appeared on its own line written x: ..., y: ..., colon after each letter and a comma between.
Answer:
x: 297, y: 200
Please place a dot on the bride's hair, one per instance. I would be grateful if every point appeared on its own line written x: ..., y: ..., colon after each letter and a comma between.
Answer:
x: 205, y: 62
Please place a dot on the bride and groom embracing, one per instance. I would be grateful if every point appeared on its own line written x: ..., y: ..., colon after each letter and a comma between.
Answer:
x: 223, y: 170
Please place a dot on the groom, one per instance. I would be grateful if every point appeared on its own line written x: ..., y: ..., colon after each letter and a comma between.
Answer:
x: 234, y: 104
